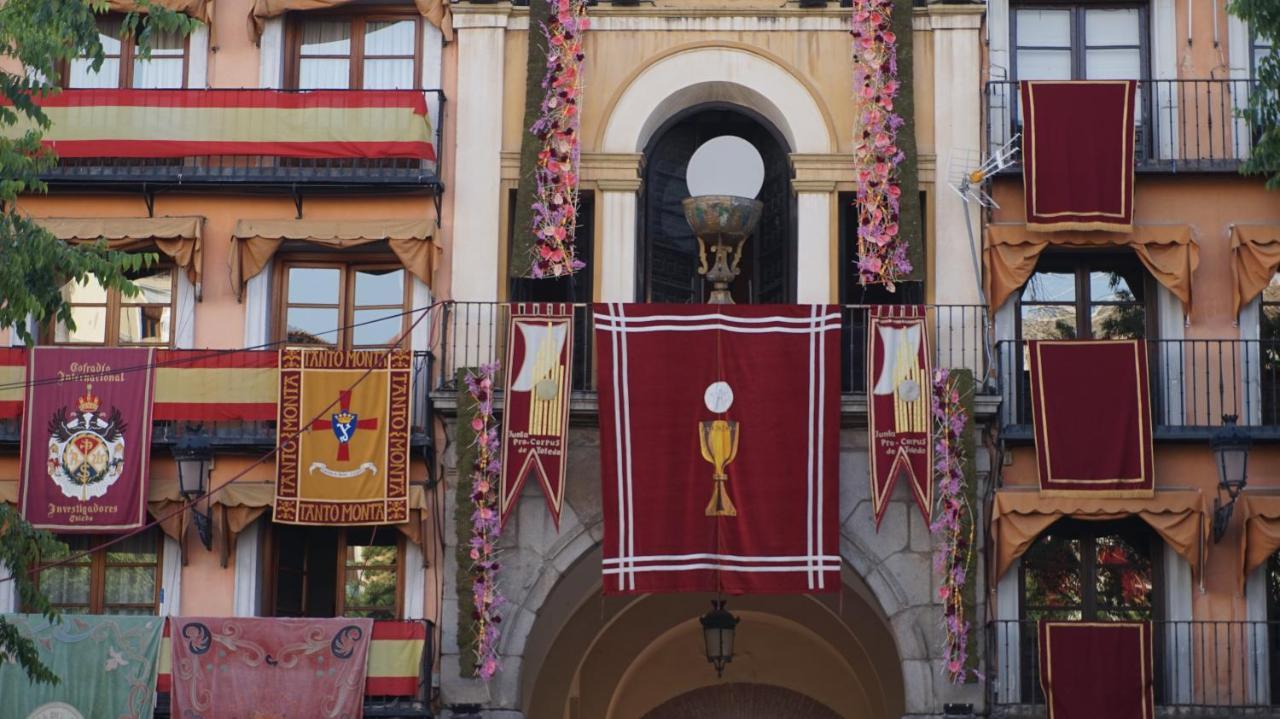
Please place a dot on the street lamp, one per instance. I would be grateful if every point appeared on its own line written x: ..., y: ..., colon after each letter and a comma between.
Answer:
x: 193, y: 453
x: 1231, y: 449
x: 718, y: 627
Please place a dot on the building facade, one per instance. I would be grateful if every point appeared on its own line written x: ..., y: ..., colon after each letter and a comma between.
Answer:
x: 358, y: 247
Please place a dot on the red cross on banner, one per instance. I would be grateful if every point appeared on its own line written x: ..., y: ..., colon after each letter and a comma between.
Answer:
x: 344, y: 424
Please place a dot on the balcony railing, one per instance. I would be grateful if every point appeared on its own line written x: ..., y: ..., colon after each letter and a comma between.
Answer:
x: 1201, y: 668
x: 337, y: 138
x: 263, y: 433
x: 1193, y: 384
x: 1182, y: 125
x: 475, y: 334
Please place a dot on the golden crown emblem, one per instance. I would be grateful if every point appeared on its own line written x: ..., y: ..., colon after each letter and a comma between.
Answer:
x: 88, y: 402
x: 345, y: 417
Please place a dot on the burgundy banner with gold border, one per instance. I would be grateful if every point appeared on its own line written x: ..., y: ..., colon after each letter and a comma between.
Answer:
x: 1081, y: 450
x: 1077, y: 154
x: 86, y: 438
x: 344, y: 437
x: 1097, y: 670
x: 535, y: 416
x: 899, y: 412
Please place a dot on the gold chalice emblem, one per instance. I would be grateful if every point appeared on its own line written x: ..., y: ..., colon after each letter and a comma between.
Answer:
x: 719, y: 439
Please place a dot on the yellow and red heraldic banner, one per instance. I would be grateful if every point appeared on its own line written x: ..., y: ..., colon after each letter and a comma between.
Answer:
x: 899, y: 405
x: 344, y: 437
x: 86, y: 438
x: 535, y: 417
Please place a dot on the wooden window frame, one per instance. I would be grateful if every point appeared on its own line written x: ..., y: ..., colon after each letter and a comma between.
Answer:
x: 271, y: 569
x: 115, y: 302
x: 1079, y: 41
x: 1081, y: 266
x: 98, y: 566
x: 359, y: 17
x: 129, y: 54
x: 346, y: 297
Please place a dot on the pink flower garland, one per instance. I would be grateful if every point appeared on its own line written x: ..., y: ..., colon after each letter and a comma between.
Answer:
x: 882, y: 251
x: 954, y: 553
x: 555, y: 206
x: 484, y: 523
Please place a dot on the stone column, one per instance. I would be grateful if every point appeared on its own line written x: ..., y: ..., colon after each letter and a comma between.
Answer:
x: 477, y: 190
x: 618, y: 207
x: 816, y: 254
x: 956, y: 35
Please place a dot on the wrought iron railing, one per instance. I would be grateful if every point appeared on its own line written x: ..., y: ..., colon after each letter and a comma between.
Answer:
x: 1193, y: 384
x: 1203, y: 668
x: 1181, y: 124
x: 474, y: 333
x: 339, y: 169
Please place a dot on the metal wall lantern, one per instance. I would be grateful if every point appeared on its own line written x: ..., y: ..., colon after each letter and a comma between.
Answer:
x: 193, y: 453
x: 1231, y: 452
x: 718, y: 628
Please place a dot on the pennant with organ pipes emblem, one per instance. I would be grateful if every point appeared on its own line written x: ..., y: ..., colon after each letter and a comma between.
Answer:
x: 344, y: 437
x: 535, y: 417
x: 899, y: 412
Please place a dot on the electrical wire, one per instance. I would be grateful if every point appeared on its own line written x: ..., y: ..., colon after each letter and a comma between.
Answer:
x: 191, y: 503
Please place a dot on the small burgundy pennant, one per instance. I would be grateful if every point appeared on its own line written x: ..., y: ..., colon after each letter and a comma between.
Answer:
x: 899, y: 405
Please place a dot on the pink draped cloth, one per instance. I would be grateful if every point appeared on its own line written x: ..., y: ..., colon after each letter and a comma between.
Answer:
x: 267, y: 668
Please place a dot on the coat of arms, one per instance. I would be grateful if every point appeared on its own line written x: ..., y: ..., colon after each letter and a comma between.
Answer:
x: 86, y: 449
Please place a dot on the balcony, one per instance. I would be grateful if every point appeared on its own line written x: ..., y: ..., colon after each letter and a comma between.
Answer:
x: 1193, y: 383
x: 475, y: 334
x: 337, y: 139
x: 261, y: 434
x: 1202, y: 669
x: 1182, y: 125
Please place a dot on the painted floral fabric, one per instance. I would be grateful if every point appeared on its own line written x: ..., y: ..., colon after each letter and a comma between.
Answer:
x: 107, y: 666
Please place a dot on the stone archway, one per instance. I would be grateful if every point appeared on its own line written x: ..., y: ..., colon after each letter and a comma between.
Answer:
x: 624, y: 657
x: 742, y: 701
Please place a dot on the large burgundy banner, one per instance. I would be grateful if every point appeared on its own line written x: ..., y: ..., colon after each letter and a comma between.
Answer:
x: 1077, y: 148
x: 86, y: 438
x: 719, y: 447
x: 1079, y: 449
x: 245, y: 667
x: 535, y: 412
x: 899, y: 399
x: 1097, y: 670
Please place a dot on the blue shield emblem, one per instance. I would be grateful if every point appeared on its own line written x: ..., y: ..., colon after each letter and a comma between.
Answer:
x: 344, y: 426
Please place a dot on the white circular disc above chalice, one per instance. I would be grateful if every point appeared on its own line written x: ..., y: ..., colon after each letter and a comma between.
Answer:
x: 725, y: 165
x: 718, y: 397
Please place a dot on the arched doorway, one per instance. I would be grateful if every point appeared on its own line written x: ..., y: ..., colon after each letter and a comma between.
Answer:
x: 589, y: 655
x: 742, y: 701
x: 668, y: 252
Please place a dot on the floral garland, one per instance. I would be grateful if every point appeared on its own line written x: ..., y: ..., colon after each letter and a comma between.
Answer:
x: 954, y: 554
x: 484, y: 523
x: 882, y: 251
x: 555, y: 205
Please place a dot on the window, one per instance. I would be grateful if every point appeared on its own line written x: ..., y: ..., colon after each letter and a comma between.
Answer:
x: 344, y: 306
x: 108, y: 317
x: 1099, y: 297
x: 1081, y: 570
x: 1261, y: 48
x: 1099, y: 41
x: 359, y: 53
x: 327, y: 572
x: 121, y: 579
x: 122, y: 65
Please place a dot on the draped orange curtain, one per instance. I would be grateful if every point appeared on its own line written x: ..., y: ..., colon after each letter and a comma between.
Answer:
x: 1255, y: 252
x: 201, y: 10
x: 1019, y: 517
x: 178, y: 238
x: 1260, y: 538
x: 1169, y: 252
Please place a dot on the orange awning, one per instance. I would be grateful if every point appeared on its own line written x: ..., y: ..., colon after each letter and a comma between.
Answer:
x: 1255, y: 251
x: 178, y: 238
